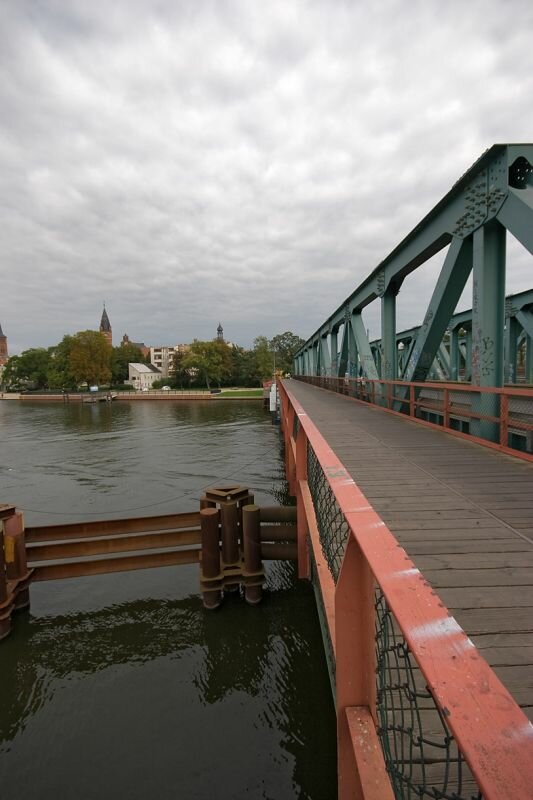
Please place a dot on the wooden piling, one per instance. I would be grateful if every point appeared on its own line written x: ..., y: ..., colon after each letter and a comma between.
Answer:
x: 16, y: 561
x: 6, y: 604
x: 211, y: 574
x: 229, y: 518
x: 253, y: 568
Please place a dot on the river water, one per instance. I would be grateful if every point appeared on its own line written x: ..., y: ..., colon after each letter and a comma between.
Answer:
x: 122, y: 685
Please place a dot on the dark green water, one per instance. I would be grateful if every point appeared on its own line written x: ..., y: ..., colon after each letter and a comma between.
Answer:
x: 122, y: 685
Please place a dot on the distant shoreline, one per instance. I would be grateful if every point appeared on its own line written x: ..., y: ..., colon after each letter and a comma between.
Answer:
x: 85, y: 398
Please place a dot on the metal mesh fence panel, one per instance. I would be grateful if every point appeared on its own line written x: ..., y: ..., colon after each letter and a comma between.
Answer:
x: 332, y: 525
x: 421, y: 754
x: 295, y: 427
x: 520, y: 422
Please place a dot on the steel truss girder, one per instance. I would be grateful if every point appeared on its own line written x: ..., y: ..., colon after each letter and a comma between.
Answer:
x: 450, y: 284
x: 499, y: 185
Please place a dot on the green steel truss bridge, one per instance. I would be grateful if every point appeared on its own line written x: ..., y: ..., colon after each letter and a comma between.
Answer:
x: 411, y: 460
x: 495, y: 195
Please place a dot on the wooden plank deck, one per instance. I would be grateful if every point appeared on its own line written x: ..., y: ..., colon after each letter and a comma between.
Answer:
x: 463, y: 512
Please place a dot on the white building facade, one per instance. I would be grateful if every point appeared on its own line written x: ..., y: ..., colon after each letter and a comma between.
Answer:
x: 163, y: 357
x: 142, y: 376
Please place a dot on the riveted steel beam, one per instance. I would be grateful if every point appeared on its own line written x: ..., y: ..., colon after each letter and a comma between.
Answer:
x: 450, y: 284
x: 333, y: 346
x: 363, y: 346
x: 488, y: 309
x: 499, y: 185
x: 325, y: 357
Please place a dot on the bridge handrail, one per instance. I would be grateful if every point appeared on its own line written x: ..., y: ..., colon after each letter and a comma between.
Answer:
x: 495, y: 410
x: 492, y: 733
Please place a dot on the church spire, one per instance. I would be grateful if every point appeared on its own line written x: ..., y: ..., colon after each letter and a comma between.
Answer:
x: 105, y: 327
x: 220, y: 332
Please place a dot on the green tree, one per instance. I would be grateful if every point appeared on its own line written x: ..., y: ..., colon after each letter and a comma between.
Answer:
x: 243, y: 368
x: 264, y: 359
x: 121, y: 357
x: 59, y: 374
x: 211, y: 359
x: 30, y: 369
x: 284, y: 346
x: 90, y: 358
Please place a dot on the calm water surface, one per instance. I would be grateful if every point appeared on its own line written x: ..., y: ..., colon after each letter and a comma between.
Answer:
x: 121, y: 685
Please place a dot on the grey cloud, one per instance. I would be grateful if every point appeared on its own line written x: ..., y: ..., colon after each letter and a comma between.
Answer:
x: 195, y: 161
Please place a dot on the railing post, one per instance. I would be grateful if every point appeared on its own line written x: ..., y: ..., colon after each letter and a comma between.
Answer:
x: 304, y: 569
x: 504, y: 420
x: 290, y: 467
x: 355, y: 659
x: 446, y: 409
x: 412, y: 408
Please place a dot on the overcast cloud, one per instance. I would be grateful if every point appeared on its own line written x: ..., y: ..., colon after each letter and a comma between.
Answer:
x: 248, y: 162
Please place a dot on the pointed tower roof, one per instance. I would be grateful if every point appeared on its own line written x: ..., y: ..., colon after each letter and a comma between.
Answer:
x: 1, y: 332
x: 105, y: 325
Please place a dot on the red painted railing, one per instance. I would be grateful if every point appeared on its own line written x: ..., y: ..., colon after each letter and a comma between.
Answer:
x: 491, y: 732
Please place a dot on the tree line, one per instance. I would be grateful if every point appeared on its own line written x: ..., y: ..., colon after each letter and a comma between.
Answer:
x: 88, y: 358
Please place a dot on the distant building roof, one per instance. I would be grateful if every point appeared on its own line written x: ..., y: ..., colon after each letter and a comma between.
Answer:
x: 144, y: 367
x: 1, y: 334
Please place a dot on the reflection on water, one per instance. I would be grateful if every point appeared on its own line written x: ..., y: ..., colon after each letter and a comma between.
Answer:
x: 123, y: 684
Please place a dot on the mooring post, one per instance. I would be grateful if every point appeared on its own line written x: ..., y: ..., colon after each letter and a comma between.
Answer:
x: 253, y: 568
x: 16, y: 561
x: 229, y: 517
x: 206, y: 503
x: 6, y: 601
x: 211, y: 580
x: 246, y: 501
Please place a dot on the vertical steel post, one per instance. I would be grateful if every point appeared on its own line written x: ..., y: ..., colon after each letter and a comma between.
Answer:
x: 488, y: 305
x: 388, y: 335
x: 334, y: 353
x: 468, y: 355
x: 529, y: 359
x: 353, y: 357
x: 251, y: 525
x: 510, y: 347
x: 454, y: 354
x: 325, y: 356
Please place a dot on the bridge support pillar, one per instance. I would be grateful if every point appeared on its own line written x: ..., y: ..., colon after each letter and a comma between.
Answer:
x: 488, y: 308
x: 529, y: 359
x: 455, y: 356
x: 510, y: 348
x: 333, y: 344
x: 388, y: 335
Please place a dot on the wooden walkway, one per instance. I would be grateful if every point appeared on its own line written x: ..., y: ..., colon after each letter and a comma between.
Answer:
x: 463, y: 512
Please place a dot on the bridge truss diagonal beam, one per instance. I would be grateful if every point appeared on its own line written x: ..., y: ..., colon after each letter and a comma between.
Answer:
x: 496, y: 191
x: 452, y: 280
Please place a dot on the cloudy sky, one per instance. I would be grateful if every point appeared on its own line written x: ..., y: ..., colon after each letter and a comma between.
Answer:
x: 248, y: 162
